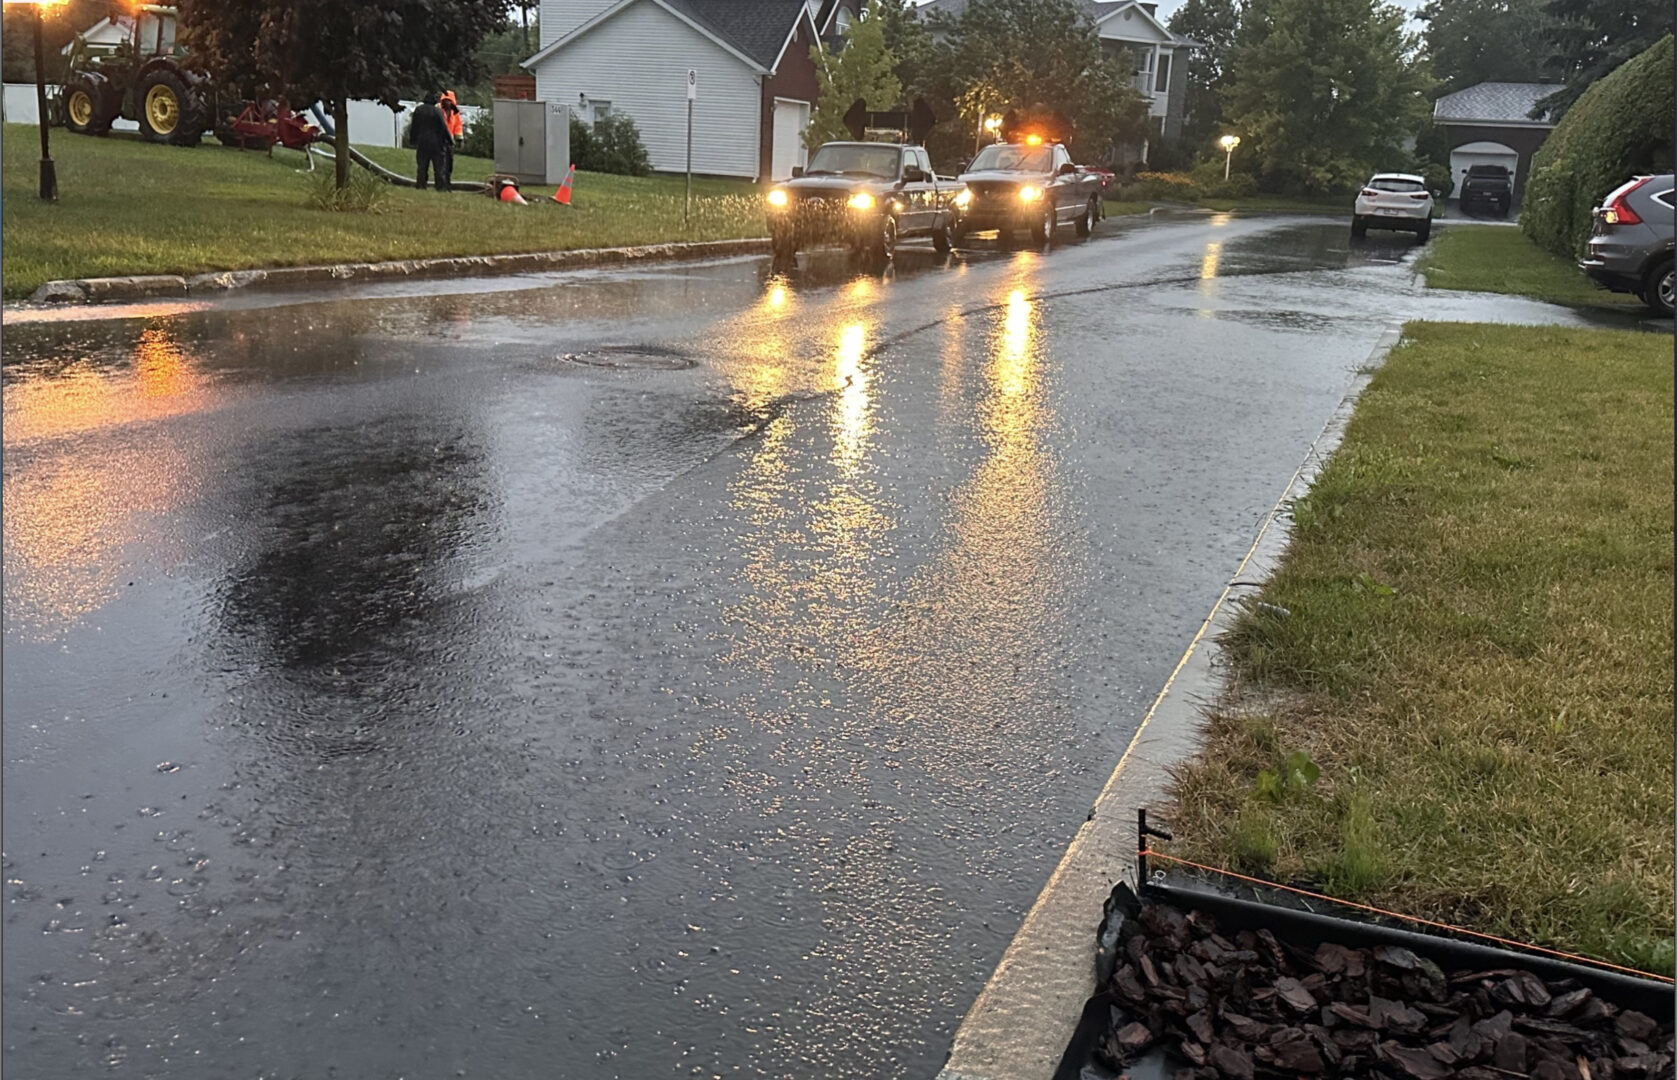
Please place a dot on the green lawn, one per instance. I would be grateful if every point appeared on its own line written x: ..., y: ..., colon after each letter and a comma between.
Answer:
x: 1499, y: 259
x: 1470, y: 635
x: 130, y: 207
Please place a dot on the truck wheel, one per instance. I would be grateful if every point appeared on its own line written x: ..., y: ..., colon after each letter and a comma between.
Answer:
x: 1091, y: 214
x: 1042, y: 231
x: 957, y: 236
x: 169, y: 110
x: 884, y: 244
x: 783, y: 248
x: 1657, y: 289
x: 84, y: 109
x: 940, y: 240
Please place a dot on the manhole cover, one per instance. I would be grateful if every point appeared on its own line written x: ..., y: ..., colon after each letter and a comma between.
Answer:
x: 631, y: 357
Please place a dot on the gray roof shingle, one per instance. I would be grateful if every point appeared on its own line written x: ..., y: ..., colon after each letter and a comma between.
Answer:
x: 1494, y: 103
x: 757, y: 28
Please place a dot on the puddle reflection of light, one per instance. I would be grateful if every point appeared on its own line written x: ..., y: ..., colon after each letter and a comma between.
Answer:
x: 777, y: 296
x: 852, y: 423
x: 1208, y: 274
x: 161, y: 381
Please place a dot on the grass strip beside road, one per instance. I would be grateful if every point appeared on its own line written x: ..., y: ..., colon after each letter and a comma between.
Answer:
x: 1470, y: 637
x: 1499, y: 259
x: 132, y: 207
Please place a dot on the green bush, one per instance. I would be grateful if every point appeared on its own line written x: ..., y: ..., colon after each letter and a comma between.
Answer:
x: 366, y: 191
x: 1621, y: 126
x: 479, y: 137
x: 612, y: 145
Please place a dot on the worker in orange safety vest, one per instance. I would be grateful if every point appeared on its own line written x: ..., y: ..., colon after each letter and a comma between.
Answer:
x: 456, y: 125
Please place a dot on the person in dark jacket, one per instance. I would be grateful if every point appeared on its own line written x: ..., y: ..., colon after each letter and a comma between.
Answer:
x: 431, y: 141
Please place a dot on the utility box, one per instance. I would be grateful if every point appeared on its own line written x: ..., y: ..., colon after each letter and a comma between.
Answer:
x: 532, y: 140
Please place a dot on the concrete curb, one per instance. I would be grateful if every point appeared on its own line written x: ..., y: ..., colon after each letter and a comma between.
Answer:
x: 153, y: 286
x: 1019, y: 1026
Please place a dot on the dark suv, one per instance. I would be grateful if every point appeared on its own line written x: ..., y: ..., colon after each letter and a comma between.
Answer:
x: 1630, y: 243
x: 865, y: 195
x: 1490, y: 186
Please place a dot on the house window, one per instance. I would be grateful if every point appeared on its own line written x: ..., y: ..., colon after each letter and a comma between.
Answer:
x: 600, y: 110
x: 1161, y: 81
x: 841, y: 19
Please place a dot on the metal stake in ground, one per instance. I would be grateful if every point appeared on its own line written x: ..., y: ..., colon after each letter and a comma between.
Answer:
x: 692, y: 92
x: 1142, y: 832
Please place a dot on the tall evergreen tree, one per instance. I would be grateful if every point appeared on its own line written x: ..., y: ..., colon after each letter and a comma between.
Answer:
x: 1473, y: 41
x: 1324, y: 91
x: 1592, y: 37
x: 334, y: 50
x: 861, y: 69
x: 1213, y: 25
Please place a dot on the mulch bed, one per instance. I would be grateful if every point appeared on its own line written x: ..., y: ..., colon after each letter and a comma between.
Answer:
x: 1249, y: 1005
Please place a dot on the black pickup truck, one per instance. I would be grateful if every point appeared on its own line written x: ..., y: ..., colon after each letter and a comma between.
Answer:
x: 1030, y: 184
x: 865, y: 195
x: 1490, y: 186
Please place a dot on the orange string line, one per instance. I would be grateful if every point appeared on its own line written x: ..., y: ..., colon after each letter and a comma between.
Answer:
x: 1150, y: 853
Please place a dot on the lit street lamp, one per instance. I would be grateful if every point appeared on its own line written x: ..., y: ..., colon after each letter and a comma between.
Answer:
x: 49, y: 174
x: 1228, y: 143
x: 989, y: 124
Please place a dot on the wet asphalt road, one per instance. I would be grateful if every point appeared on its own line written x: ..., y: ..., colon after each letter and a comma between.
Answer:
x: 663, y: 672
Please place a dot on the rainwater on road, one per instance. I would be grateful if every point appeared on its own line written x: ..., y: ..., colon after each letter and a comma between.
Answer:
x: 679, y: 671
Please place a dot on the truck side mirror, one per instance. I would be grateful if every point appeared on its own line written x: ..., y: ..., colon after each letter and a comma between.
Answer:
x: 912, y: 174
x: 1067, y: 167
x: 797, y: 171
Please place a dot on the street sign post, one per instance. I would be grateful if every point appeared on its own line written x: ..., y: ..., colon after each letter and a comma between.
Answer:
x: 692, y: 93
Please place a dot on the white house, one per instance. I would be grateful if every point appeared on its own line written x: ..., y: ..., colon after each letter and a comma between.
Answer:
x: 751, y: 60
x: 1130, y: 32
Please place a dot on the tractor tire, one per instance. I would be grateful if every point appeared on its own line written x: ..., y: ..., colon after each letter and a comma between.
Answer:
x: 170, y: 110
x: 86, y: 112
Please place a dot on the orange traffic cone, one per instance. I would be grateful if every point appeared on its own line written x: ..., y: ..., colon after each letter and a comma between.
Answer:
x: 563, y: 195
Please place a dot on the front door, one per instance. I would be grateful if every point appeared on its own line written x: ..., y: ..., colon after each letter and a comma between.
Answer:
x: 790, y: 119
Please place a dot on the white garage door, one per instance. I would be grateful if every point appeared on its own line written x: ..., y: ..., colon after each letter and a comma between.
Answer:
x: 790, y: 119
x: 1466, y: 156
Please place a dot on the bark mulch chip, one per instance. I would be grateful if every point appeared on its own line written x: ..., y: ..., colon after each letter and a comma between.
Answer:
x: 1251, y: 1007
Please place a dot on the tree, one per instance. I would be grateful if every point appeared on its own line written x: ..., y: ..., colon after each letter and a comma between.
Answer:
x: 332, y: 51
x: 861, y: 69
x: 1028, y: 53
x: 1474, y: 41
x: 1322, y: 92
x: 1590, y: 38
x: 1213, y: 24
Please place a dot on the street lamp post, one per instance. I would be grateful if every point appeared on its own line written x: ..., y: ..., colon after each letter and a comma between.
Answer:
x: 49, y: 173
x: 1228, y: 143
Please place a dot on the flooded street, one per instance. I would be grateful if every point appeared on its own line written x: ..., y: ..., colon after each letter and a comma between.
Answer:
x: 671, y: 671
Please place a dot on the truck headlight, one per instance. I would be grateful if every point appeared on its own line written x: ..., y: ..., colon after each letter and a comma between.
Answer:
x: 860, y: 201
x: 777, y: 197
x: 963, y: 199
x: 1029, y: 193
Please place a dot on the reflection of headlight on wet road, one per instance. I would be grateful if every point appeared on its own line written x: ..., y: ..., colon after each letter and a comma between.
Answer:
x: 963, y: 199
x: 1029, y: 193
x: 777, y: 197
x: 860, y: 201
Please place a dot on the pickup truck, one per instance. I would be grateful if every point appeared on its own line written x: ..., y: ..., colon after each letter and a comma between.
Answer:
x: 1488, y: 185
x: 865, y: 195
x: 1029, y: 185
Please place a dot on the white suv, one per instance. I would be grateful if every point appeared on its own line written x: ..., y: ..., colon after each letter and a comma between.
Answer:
x: 1393, y: 201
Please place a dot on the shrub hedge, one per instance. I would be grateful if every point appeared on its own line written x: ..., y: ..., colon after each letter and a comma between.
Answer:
x: 1621, y: 126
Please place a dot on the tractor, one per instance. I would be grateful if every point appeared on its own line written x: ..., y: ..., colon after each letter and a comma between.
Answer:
x: 140, y: 79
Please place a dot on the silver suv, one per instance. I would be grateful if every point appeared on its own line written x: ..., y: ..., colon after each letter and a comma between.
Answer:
x: 1630, y: 243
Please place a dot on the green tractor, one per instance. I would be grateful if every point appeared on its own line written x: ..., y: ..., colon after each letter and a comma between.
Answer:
x: 140, y: 79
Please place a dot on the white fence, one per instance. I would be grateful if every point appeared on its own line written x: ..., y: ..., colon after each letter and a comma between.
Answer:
x: 370, y: 123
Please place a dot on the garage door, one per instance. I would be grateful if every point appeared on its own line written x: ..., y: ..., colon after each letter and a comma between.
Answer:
x: 790, y: 119
x: 1463, y: 158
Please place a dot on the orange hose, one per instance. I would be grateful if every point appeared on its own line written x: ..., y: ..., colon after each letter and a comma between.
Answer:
x: 1151, y: 854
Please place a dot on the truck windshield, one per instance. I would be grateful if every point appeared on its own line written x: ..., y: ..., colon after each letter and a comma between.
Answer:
x: 1001, y: 157
x: 853, y: 159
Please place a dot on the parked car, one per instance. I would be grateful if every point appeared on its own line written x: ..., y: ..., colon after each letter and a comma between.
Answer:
x: 864, y: 195
x: 1489, y: 186
x: 1030, y: 185
x: 1393, y: 201
x: 1630, y: 245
